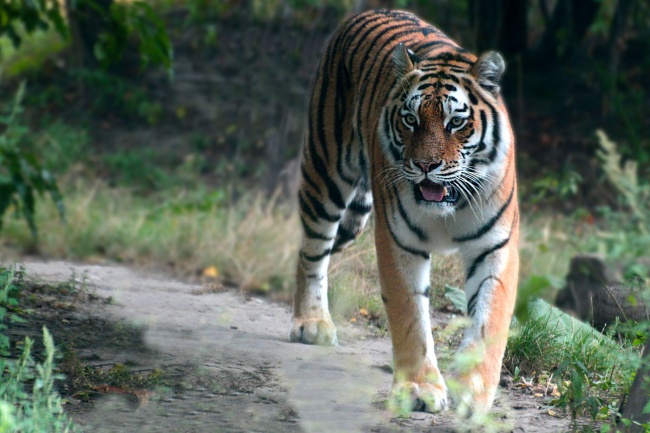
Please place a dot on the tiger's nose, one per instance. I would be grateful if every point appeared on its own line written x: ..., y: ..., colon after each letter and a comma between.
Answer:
x: 427, y: 167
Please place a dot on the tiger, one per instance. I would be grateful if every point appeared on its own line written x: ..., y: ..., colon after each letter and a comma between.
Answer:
x: 403, y: 120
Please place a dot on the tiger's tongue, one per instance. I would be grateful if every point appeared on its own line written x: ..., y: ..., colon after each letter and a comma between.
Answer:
x: 432, y: 191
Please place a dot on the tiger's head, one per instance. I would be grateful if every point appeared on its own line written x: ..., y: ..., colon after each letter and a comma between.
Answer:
x: 444, y: 129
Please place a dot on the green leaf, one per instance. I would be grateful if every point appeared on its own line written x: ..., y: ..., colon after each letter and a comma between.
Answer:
x: 577, y: 383
x: 16, y: 319
x: 457, y: 298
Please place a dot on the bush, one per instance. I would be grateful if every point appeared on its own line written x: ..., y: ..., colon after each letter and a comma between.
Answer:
x: 21, y: 174
x: 628, y: 235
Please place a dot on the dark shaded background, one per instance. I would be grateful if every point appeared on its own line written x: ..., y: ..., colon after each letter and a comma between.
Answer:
x: 242, y: 71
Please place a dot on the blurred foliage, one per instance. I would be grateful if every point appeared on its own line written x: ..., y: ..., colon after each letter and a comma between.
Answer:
x: 30, y: 16
x: 562, y: 185
x: 37, y: 408
x: 66, y: 146
x: 21, y: 174
x: 115, y: 96
x: 34, y: 51
x: 123, y: 22
x: 533, y: 288
x: 301, y: 12
x: 268, y: 9
x: 626, y: 237
x: 139, y: 169
x: 204, y: 10
x: 134, y: 20
x: 9, y: 311
x: 624, y: 176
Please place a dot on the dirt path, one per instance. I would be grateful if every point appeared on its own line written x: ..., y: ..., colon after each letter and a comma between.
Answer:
x: 240, y: 373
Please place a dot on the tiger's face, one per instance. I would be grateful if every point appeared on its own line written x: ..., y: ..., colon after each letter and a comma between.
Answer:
x: 441, y: 128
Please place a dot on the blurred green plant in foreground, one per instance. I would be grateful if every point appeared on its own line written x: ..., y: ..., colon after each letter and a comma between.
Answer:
x: 28, y: 409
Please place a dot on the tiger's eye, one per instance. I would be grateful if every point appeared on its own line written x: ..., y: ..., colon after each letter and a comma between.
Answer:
x: 456, y: 121
x: 410, y: 119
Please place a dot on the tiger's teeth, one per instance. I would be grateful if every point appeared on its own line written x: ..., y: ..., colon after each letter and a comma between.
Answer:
x: 444, y: 191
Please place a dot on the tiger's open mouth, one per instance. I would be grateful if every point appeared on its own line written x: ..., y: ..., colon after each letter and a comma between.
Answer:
x: 435, y: 192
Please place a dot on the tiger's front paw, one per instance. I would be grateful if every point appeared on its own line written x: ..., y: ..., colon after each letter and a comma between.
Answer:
x: 470, y: 395
x: 406, y: 397
x: 313, y: 331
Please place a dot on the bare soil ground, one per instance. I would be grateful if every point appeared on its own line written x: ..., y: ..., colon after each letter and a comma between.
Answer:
x: 234, y: 369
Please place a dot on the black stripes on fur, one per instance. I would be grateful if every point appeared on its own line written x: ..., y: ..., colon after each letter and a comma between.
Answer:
x: 411, y: 250
x: 490, y: 223
x: 317, y: 257
x: 352, y: 78
x: 359, y: 208
x: 417, y: 231
x: 426, y: 292
x: 481, y: 257
x: 311, y: 233
x: 471, y: 304
x: 319, y: 209
x: 343, y: 236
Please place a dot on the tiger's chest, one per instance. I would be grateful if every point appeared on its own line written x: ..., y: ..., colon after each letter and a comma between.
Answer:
x: 470, y: 227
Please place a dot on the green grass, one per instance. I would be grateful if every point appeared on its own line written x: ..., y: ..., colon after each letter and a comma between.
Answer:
x: 535, y: 346
x: 28, y: 400
x: 41, y: 408
x: 68, y: 148
x: 250, y: 243
x: 591, y: 371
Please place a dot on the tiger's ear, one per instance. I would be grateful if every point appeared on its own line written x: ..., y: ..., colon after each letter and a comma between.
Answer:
x: 488, y: 70
x: 404, y: 59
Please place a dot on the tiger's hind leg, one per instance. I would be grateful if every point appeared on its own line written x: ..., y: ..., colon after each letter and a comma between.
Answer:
x: 320, y: 218
x: 354, y: 218
x: 330, y: 178
x: 332, y: 213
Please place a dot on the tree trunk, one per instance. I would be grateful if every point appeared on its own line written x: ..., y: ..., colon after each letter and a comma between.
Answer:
x: 566, y: 29
x: 639, y: 394
x: 488, y: 23
x: 88, y: 19
x: 499, y: 25
x: 615, y: 46
x: 514, y: 28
